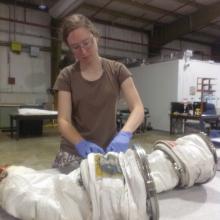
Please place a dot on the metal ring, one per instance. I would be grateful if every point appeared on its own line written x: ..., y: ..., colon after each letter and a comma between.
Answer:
x: 177, y: 163
x: 152, y: 204
x: 212, y: 149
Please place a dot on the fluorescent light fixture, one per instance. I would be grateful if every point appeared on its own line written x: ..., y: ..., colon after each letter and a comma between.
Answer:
x: 63, y: 8
x: 42, y: 6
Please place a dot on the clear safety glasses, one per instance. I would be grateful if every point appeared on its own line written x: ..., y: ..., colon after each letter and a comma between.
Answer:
x: 85, y: 44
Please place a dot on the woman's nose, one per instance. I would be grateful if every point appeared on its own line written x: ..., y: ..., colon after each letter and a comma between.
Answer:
x: 84, y: 51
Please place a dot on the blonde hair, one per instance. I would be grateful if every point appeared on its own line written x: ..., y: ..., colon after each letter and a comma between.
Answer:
x: 75, y: 21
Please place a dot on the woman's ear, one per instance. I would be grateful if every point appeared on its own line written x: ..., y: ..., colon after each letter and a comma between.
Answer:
x: 96, y: 39
x: 96, y: 42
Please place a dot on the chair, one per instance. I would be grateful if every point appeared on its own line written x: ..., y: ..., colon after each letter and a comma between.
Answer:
x: 121, y: 117
x: 206, y: 123
x: 214, y: 136
x: 209, y: 123
x: 123, y: 114
x: 210, y: 109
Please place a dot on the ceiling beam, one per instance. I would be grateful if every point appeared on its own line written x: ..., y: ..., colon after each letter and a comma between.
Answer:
x: 195, y: 41
x: 117, y: 14
x: 185, y: 25
x: 205, y: 34
x: 209, y: 35
x: 100, y: 9
x: 62, y: 8
x: 215, y: 26
x: 192, y: 3
x: 110, y: 23
x: 147, y: 7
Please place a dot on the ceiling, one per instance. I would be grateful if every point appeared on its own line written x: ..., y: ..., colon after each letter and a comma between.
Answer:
x: 165, y: 20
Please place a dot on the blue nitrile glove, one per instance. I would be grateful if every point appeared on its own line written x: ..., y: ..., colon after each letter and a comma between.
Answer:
x: 120, y: 142
x: 86, y: 147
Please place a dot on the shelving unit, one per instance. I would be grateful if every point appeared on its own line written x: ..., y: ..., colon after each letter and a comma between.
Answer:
x: 205, y: 86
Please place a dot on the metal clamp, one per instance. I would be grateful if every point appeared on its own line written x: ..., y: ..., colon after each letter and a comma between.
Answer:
x: 143, y: 164
x: 212, y: 149
x: 177, y: 163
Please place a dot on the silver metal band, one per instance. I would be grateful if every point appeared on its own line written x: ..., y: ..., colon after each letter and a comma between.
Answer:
x: 178, y: 165
x: 151, y: 201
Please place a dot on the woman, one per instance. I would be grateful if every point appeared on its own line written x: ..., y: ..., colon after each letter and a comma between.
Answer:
x: 88, y: 91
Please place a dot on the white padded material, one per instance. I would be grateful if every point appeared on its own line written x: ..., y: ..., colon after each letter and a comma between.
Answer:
x: 34, y: 111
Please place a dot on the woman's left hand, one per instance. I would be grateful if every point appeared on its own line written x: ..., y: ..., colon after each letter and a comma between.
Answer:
x: 120, y: 142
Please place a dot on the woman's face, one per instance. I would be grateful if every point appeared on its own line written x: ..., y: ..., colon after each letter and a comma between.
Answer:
x: 83, y: 44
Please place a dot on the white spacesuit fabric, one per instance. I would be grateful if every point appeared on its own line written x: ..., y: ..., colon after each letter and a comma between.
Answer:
x: 115, y: 192
x: 111, y: 186
x: 28, y: 194
x: 189, y: 158
x: 162, y: 172
x: 135, y: 189
x: 35, y: 111
x: 197, y: 158
x: 113, y: 189
x: 103, y: 188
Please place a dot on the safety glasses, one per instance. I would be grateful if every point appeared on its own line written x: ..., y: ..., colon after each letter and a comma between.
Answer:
x: 84, y: 44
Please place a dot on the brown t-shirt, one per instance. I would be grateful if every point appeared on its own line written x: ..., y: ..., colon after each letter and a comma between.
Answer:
x: 93, y: 102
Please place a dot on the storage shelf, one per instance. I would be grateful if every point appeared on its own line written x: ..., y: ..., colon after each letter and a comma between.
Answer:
x: 210, y: 91
x: 205, y: 86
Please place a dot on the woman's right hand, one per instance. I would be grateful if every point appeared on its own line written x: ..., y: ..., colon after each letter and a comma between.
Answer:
x: 86, y: 147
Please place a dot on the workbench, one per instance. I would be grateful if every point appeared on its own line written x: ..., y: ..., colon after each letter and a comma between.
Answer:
x: 34, y: 120
x: 183, y: 118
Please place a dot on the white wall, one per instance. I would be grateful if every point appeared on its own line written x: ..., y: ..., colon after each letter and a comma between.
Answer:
x: 32, y: 78
x: 160, y: 84
x: 157, y: 85
x: 32, y: 74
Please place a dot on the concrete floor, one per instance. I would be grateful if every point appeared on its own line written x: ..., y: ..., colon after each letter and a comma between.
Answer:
x: 39, y: 152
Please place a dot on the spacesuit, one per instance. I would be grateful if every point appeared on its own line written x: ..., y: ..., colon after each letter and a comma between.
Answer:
x: 112, y: 186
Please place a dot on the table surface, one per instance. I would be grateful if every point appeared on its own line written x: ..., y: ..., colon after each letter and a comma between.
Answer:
x: 198, y: 202
x: 196, y: 117
x: 16, y: 116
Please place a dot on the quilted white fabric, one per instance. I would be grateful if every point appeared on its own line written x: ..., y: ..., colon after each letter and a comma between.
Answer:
x: 38, y: 195
x: 34, y: 111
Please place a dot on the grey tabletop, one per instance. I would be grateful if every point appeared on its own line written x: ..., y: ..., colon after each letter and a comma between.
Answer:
x: 198, y: 202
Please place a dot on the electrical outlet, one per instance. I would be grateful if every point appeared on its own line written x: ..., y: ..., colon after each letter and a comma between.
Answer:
x: 11, y: 80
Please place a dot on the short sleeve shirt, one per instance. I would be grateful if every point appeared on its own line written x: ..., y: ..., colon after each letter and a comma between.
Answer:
x: 93, y: 102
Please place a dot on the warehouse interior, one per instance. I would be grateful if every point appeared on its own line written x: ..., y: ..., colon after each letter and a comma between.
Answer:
x: 172, y: 49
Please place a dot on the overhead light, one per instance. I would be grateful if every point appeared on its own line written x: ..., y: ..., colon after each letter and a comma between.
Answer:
x: 42, y: 6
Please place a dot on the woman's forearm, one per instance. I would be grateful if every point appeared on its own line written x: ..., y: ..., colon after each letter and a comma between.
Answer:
x: 68, y: 131
x: 134, y: 120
